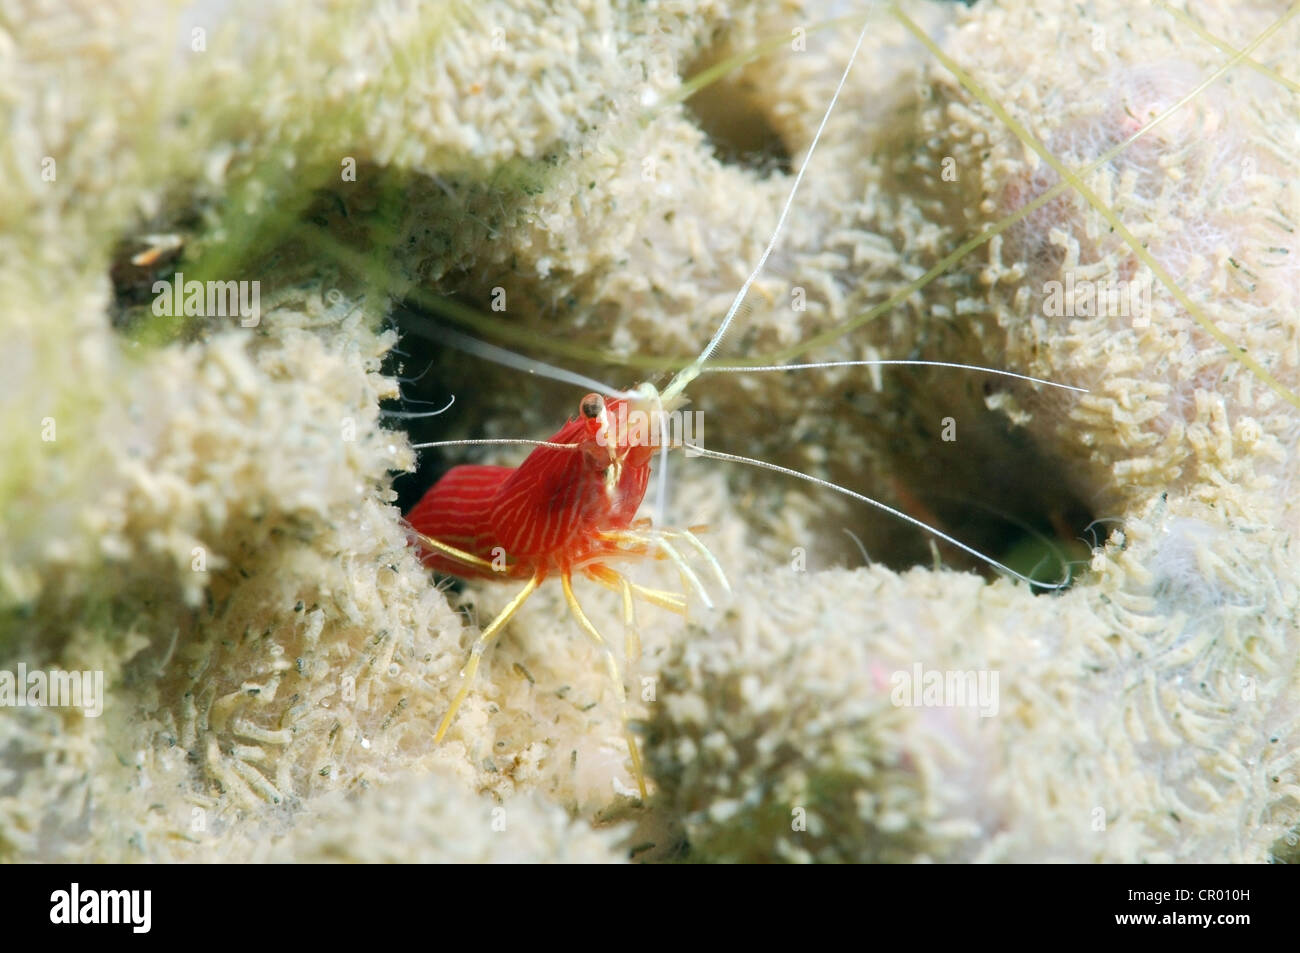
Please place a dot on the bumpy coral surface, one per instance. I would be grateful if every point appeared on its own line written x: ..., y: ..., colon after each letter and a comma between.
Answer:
x: 204, y: 505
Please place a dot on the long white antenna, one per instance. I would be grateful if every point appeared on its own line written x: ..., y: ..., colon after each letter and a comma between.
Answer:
x: 499, y: 355
x: 692, y: 370
x: 740, y: 369
x: 503, y: 442
x: 988, y: 560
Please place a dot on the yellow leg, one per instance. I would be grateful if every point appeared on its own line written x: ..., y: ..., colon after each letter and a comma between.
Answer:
x: 689, y: 578
x: 451, y: 552
x: 660, y: 540
x: 631, y: 632
x: 614, y: 674
x: 480, y: 646
x: 698, y: 544
x: 624, y: 587
x: 613, y: 580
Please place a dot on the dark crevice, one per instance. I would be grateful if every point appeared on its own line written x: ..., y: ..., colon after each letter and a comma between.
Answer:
x: 731, y: 112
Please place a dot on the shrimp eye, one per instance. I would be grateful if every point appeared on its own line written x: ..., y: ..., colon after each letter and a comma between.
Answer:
x: 591, y: 406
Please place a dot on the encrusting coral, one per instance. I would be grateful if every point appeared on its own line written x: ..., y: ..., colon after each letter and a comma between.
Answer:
x: 202, y: 508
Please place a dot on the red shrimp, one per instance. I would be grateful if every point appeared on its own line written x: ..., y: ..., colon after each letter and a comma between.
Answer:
x: 546, y: 514
x: 570, y: 506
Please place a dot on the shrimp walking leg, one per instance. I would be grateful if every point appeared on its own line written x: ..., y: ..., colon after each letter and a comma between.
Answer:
x: 655, y: 539
x: 631, y: 632
x: 486, y: 637
x: 629, y: 590
x: 469, y: 559
x: 616, y: 676
x: 615, y: 580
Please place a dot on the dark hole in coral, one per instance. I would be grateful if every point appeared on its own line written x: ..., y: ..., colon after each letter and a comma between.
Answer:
x: 430, y: 377
x: 730, y: 111
x: 152, y: 254
x: 971, y: 473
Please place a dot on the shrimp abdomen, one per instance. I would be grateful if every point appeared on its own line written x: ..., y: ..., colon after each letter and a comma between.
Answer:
x: 457, y: 510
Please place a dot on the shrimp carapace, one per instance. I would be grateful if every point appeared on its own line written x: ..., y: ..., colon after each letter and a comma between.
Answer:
x: 546, y: 515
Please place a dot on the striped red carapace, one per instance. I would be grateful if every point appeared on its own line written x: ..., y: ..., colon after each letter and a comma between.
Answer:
x: 544, y: 516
